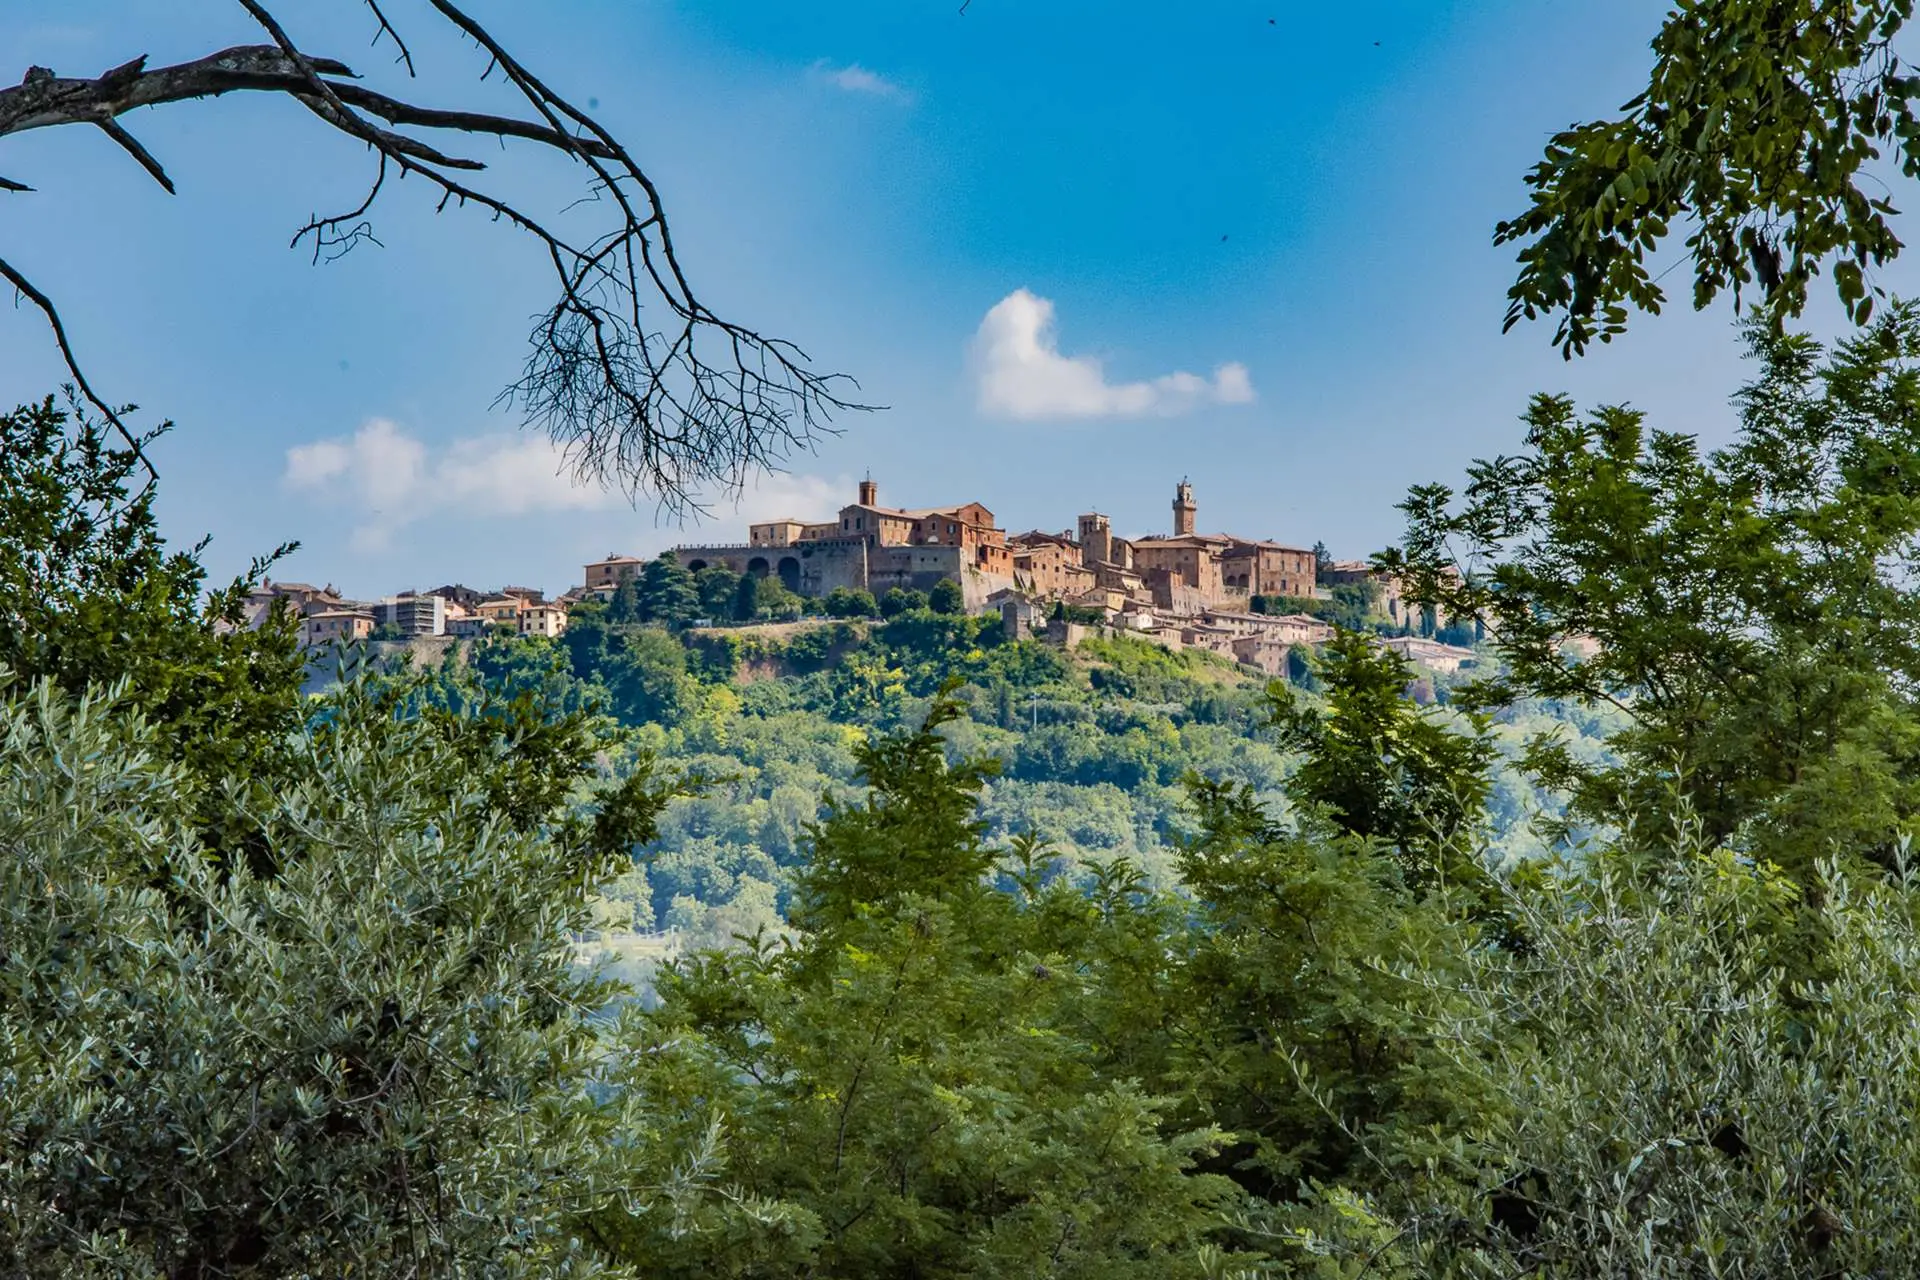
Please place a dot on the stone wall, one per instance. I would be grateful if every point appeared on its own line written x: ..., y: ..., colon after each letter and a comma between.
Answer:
x: 807, y: 568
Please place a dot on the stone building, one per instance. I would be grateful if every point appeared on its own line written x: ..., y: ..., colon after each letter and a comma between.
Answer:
x: 1190, y: 571
x: 1049, y: 565
x: 335, y: 626
x: 605, y: 576
x: 1108, y: 558
x: 302, y: 599
x: 539, y: 619
x: 459, y: 595
x: 1430, y: 653
x: 873, y: 548
x: 1268, y: 569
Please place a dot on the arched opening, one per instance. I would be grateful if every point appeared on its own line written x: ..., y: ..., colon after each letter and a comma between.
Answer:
x: 695, y: 566
x: 790, y: 573
x: 757, y: 566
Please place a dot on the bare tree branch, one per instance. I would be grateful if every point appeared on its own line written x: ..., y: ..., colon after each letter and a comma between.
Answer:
x: 386, y: 29
x: 132, y: 146
x: 670, y: 406
x: 26, y: 290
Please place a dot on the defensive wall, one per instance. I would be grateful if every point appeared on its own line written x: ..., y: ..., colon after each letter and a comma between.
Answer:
x: 819, y: 566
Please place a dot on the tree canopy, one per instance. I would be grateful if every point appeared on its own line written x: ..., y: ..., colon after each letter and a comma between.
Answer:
x: 1762, y: 131
x: 1747, y: 607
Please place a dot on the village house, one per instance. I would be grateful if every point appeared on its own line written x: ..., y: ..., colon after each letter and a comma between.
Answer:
x: 302, y: 599
x: 459, y: 596
x: 542, y: 620
x: 335, y: 626
x: 1049, y: 565
x: 1430, y: 654
x: 605, y: 576
x: 1263, y: 652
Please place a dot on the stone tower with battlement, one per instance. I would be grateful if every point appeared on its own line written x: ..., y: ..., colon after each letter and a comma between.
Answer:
x: 1184, y: 510
x: 1096, y: 539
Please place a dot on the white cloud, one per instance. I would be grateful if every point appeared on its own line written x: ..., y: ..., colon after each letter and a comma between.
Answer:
x: 782, y: 495
x: 1021, y: 373
x: 385, y: 479
x: 855, y: 78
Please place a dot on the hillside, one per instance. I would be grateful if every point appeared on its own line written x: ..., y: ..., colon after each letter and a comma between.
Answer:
x: 1092, y: 744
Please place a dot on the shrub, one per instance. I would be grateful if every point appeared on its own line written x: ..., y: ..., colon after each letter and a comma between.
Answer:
x: 1671, y: 1094
x: 947, y: 597
x: 371, y: 1062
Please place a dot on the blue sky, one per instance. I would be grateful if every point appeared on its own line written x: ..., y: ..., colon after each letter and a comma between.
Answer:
x: 1289, y: 205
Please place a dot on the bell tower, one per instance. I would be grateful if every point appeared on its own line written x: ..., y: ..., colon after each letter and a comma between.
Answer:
x: 869, y: 492
x: 1096, y: 539
x: 1184, y: 510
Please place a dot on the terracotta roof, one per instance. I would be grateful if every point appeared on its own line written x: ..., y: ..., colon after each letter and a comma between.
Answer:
x: 1264, y: 545
x: 1040, y: 535
x: 1182, y: 540
x: 915, y: 513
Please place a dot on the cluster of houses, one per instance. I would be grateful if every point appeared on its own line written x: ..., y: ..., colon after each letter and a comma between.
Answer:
x: 326, y: 617
x: 1185, y: 589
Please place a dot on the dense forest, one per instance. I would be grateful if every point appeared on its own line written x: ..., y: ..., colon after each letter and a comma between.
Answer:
x: 1093, y: 748
x: 996, y: 959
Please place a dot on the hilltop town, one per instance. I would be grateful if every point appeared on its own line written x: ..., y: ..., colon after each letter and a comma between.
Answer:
x: 1182, y: 589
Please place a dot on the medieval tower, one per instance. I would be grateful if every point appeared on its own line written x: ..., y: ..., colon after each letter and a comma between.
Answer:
x: 1096, y: 539
x: 1183, y: 510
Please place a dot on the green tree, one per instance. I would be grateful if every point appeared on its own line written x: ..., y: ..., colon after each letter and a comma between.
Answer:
x: 667, y: 594
x: 897, y: 601
x: 625, y: 605
x: 1381, y: 768
x: 1288, y: 1022
x: 776, y: 600
x: 746, y: 599
x: 90, y: 595
x: 1745, y: 607
x: 1290, y: 1027
x: 233, y: 1074
x: 1322, y: 561
x: 718, y: 587
x: 842, y: 603
x: 1760, y: 127
x: 947, y: 597
x: 908, y: 1087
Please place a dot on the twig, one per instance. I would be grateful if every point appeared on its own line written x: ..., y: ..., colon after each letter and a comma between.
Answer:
x: 40, y: 300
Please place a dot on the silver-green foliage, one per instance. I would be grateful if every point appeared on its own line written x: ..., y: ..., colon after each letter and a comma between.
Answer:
x: 1676, y: 1106
x: 369, y: 1063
